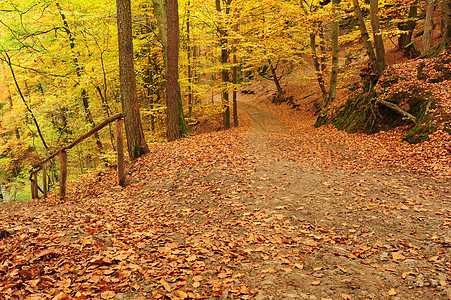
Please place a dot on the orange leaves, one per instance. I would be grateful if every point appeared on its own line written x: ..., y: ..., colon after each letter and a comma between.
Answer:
x: 108, y: 295
x: 166, y: 285
x: 398, y: 255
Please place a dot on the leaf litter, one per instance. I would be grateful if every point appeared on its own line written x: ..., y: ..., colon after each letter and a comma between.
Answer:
x: 271, y: 210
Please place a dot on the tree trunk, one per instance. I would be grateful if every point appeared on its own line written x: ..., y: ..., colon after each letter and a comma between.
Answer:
x: 234, y: 96
x: 276, y: 82
x: 334, y: 72
x: 377, y: 34
x: 225, y: 72
x: 234, y: 79
x: 189, y: 51
x: 407, y: 27
x: 366, y: 39
x: 445, y: 7
x: 136, y: 143
x: 172, y: 87
x: 322, y: 47
x: 446, y: 19
x: 428, y: 25
x: 161, y: 11
x: 316, y: 64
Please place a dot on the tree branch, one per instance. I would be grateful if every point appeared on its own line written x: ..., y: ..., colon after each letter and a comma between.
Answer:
x: 399, y: 110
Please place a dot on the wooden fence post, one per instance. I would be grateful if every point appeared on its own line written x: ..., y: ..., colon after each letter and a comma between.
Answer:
x: 34, y: 186
x: 120, y: 152
x: 63, y: 170
x: 44, y: 180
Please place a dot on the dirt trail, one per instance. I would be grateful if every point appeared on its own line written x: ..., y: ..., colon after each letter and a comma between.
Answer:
x: 390, y: 229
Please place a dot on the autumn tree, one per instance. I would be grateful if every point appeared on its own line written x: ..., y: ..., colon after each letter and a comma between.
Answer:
x: 224, y: 11
x: 172, y: 85
x: 164, y: 16
x: 272, y: 40
x: 135, y: 137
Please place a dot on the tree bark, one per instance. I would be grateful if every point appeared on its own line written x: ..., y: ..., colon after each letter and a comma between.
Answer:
x: 136, y: 143
x: 63, y: 174
x: 189, y: 51
x: 120, y: 153
x: 377, y: 34
x: 445, y: 7
x: 428, y: 25
x: 446, y: 19
x: 316, y: 64
x: 225, y: 72
x: 172, y: 87
x: 407, y: 27
x: 276, y: 82
x: 334, y: 72
x: 234, y: 95
x: 234, y: 78
x: 366, y: 38
x: 162, y: 11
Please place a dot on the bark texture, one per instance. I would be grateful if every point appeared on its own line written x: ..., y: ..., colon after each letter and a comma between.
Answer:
x: 136, y: 143
x: 428, y: 25
x: 172, y: 92
x: 377, y: 34
x: 334, y: 72
x: 366, y: 39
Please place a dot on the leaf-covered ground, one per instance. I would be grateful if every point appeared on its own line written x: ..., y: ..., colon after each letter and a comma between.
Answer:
x: 272, y: 210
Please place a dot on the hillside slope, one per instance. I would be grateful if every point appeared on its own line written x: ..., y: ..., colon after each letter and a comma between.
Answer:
x: 274, y: 209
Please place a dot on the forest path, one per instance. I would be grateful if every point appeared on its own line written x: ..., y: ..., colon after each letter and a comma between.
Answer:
x: 274, y: 209
x: 396, y: 222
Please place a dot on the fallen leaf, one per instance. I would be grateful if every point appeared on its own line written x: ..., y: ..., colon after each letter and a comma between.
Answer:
x: 299, y: 266
x: 317, y: 282
x: 108, y: 295
x: 181, y: 294
x: 270, y: 270
x: 405, y: 274
x: 166, y: 285
x: 392, y: 292
x: 398, y: 255
x: 61, y: 296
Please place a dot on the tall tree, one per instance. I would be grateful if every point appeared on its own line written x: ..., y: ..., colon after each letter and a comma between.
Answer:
x: 136, y: 143
x: 446, y: 19
x: 172, y: 75
x: 407, y: 26
x: 335, y: 33
x: 162, y: 11
x: 366, y: 38
x: 377, y: 34
x: 223, y: 36
x: 189, y: 54
x: 428, y: 25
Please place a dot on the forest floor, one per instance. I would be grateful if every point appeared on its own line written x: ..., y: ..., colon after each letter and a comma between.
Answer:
x: 273, y: 209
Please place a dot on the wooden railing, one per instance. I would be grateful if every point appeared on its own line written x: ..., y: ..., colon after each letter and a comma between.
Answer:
x: 63, y: 159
